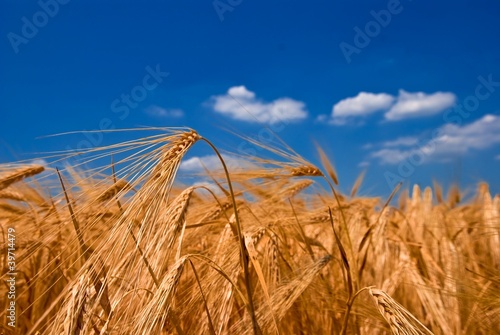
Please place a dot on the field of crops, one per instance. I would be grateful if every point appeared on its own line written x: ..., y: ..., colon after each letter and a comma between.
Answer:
x: 272, y: 247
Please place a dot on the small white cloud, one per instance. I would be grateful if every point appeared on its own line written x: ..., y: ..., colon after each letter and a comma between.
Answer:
x: 241, y: 104
x: 405, y: 105
x: 212, y: 163
x: 160, y: 112
x: 480, y: 134
x: 363, y: 104
x: 390, y: 156
x: 367, y: 146
x: 210, y: 185
x: 412, y: 105
x: 40, y: 161
x: 448, y: 141
x: 364, y: 164
x: 241, y: 92
x: 323, y: 118
x: 406, y: 141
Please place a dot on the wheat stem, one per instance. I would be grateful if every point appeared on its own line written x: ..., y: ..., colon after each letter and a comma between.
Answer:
x: 243, y: 251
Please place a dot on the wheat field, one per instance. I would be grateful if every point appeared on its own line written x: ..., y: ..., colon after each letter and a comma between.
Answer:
x: 271, y: 247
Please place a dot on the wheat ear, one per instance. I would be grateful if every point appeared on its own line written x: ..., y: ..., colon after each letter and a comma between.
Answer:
x: 400, y: 320
x: 20, y: 174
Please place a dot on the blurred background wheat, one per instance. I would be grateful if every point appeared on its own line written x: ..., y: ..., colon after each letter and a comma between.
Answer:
x: 273, y: 247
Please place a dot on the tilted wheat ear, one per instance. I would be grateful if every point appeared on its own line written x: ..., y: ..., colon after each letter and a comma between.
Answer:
x: 20, y: 174
x: 306, y: 170
x: 400, y: 320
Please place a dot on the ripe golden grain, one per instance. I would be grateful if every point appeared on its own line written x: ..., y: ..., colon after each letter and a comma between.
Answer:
x: 306, y: 170
x: 438, y: 260
x: 19, y: 174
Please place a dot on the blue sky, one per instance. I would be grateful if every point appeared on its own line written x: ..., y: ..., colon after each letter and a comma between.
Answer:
x: 408, y: 90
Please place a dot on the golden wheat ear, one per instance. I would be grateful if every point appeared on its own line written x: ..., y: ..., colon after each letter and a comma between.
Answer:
x: 327, y: 165
x: 163, y: 259
x: 400, y: 320
x: 19, y: 174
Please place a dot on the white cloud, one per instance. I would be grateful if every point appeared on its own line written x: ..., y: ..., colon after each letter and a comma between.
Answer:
x: 241, y: 104
x: 411, y: 105
x: 161, y: 112
x: 405, y: 105
x: 40, y: 161
x: 364, y: 164
x: 406, y: 141
x: 446, y: 142
x: 363, y: 104
x: 390, y: 156
x: 478, y: 135
x: 212, y: 163
x: 323, y: 118
x: 207, y: 184
x: 367, y: 146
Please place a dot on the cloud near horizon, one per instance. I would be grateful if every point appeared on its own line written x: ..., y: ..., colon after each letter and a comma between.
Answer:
x: 404, y: 106
x: 419, y: 104
x: 445, y: 143
x: 212, y: 163
x: 361, y: 105
x: 241, y: 104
